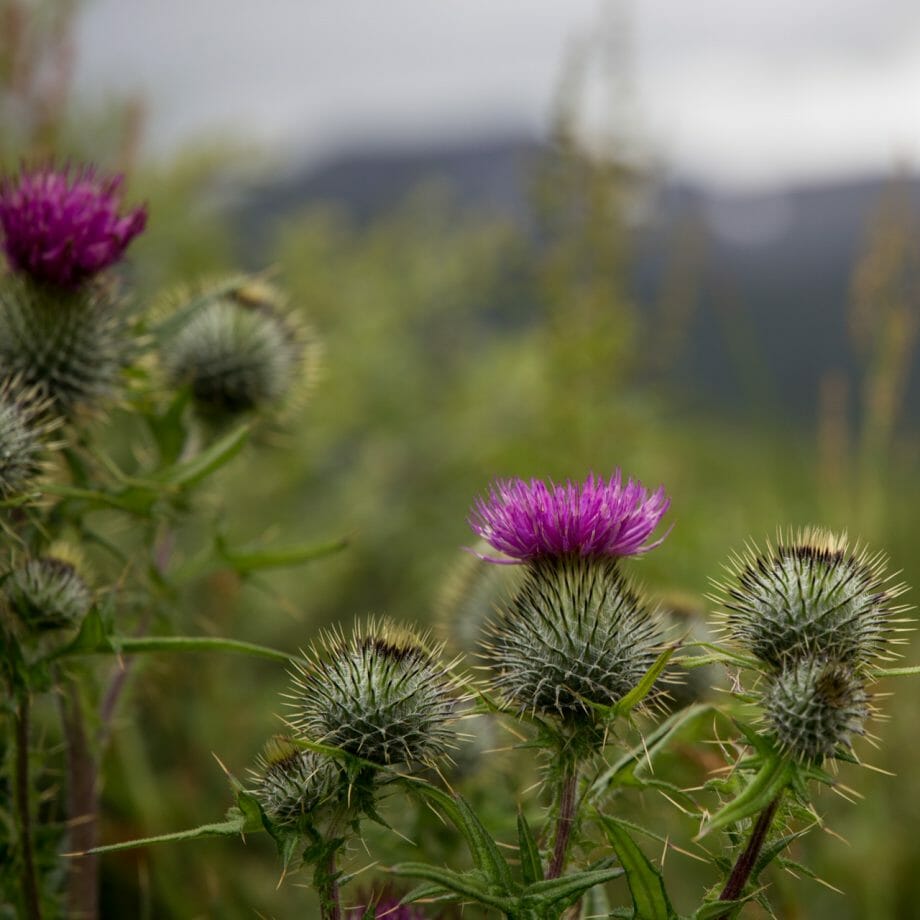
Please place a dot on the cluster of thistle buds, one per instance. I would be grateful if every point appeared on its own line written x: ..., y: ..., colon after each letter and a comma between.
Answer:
x: 818, y: 617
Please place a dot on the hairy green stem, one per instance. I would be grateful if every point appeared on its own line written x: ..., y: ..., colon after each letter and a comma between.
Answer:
x: 29, y: 878
x: 568, y: 792
x: 747, y: 859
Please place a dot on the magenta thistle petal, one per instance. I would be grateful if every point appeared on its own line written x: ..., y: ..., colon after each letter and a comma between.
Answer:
x: 63, y: 227
x: 526, y: 520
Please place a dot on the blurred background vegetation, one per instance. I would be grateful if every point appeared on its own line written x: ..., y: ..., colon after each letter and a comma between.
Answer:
x: 578, y: 316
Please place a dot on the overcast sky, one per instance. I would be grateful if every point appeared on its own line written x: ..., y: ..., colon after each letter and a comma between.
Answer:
x: 725, y: 90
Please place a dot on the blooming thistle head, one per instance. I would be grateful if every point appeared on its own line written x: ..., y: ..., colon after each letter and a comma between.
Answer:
x: 381, y: 695
x: 576, y: 634
x: 48, y: 593
x: 813, y: 707
x: 291, y: 783
x: 811, y: 596
x: 62, y: 226
x: 241, y: 351
x: 531, y: 520
x: 25, y: 424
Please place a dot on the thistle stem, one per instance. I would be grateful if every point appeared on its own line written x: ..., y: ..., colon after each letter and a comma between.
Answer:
x: 567, y: 806
x: 29, y: 878
x: 329, y: 891
x: 747, y: 859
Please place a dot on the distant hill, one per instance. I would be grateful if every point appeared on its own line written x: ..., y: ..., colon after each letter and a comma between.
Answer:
x: 771, y: 273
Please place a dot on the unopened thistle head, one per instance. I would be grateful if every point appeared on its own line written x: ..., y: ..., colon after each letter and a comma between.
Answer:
x: 814, y: 707
x: 62, y: 226
x: 47, y: 593
x: 532, y: 520
x: 291, y: 783
x: 576, y: 634
x: 242, y: 351
x: 811, y: 596
x: 381, y: 694
x: 25, y: 426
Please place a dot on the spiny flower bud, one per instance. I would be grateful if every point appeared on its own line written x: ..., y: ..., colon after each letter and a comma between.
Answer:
x: 48, y: 593
x: 240, y: 352
x: 24, y: 429
x: 61, y: 226
x: 381, y: 695
x: 71, y: 345
x: 291, y: 783
x: 576, y: 634
x: 814, y: 707
x: 810, y: 597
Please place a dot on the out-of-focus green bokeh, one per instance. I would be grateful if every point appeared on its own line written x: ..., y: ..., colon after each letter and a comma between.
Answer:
x: 457, y: 348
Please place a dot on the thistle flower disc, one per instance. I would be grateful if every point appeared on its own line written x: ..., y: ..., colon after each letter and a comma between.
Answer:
x: 62, y: 227
x: 240, y: 353
x: 380, y: 695
x: 814, y: 707
x: 811, y: 596
x: 291, y: 783
x: 48, y: 593
x: 529, y: 520
x: 69, y: 345
x: 574, y: 635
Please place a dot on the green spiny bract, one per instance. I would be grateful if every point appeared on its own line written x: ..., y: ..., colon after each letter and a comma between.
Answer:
x: 814, y: 707
x: 810, y: 597
x: 576, y: 634
x: 47, y: 593
x: 381, y: 695
x: 240, y: 352
x: 292, y: 783
x: 70, y: 345
x: 24, y: 429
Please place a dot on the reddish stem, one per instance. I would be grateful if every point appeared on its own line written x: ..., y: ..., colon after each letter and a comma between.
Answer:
x: 29, y: 877
x: 564, y: 825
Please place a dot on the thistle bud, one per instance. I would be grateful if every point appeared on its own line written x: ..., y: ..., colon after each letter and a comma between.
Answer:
x: 381, y: 695
x: 291, y: 783
x: 240, y: 352
x: 576, y: 634
x: 24, y: 430
x: 814, y: 707
x: 810, y: 597
x: 48, y: 593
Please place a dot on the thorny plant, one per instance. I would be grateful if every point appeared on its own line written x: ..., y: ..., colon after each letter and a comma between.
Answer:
x: 581, y: 666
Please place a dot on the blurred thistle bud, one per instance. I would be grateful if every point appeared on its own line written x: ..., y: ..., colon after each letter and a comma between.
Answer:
x: 71, y: 345
x: 291, y: 783
x: 814, y: 707
x: 48, y: 592
x: 25, y: 425
x: 532, y: 520
x: 683, y: 617
x: 241, y: 351
x: 811, y: 597
x: 382, y: 695
x: 62, y: 227
x: 576, y: 634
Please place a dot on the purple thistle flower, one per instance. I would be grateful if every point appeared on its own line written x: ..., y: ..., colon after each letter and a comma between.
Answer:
x: 63, y: 227
x: 527, y: 520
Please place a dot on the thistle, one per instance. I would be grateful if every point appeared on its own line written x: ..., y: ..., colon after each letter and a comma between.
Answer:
x: 24, y: 429
x: 814, y: 707
x: 292, y: 783
x: 62, y: 227
x: 811, y: 596
x: 575, y: 636
x: 47, y: 593
x: 529, y: 520
x: 381, y: 695
x: 240, y: 352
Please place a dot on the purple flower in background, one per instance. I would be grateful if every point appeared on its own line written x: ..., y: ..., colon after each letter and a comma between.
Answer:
x: 526, y: 520
x: 63, y: 227
x: 389, y: 908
